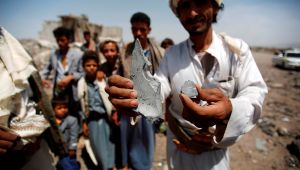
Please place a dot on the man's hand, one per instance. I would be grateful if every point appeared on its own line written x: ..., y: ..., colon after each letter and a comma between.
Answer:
x: 46, y: 83
x: 65, y: 81
x: 122, y: 95
x: 219, y: 107
x: 7, y: 140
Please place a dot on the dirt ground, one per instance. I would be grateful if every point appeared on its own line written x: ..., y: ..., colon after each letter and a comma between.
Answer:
x: 265, y: 146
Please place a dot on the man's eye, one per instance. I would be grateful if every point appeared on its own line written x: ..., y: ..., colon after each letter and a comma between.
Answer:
x: 201, y: 2
x: 184, y: 6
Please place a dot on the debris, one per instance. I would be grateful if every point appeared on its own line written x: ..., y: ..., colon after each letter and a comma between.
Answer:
x: 147, y: 87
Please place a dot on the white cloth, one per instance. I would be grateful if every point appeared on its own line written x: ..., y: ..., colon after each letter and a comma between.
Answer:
x: 15, y: 68
x: 174, y: 3
x: 246, y: 90
x: 16, y: 65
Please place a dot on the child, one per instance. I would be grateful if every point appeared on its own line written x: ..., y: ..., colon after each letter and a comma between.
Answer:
x: 68, y: 125
x: 96, y: 111
x: 66, y: 64
x: 112, y: 66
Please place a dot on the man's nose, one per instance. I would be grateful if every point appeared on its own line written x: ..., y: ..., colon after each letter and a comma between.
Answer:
x: 193, y: 9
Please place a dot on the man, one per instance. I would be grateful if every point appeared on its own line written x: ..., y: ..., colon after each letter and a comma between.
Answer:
x: 21, y: 141
x: 89, y: 42
x: 137, y: 141
x: 66, y: 63
x: 228, y: 82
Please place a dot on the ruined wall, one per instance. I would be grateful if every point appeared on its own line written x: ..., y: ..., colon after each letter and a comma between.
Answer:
x: 79, y: 24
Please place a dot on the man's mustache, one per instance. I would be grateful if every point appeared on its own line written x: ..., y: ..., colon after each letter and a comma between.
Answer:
x: 195, y: 19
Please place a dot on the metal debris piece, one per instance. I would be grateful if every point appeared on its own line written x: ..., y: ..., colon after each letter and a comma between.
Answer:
x: 189, y: 89
x: 147, y: 87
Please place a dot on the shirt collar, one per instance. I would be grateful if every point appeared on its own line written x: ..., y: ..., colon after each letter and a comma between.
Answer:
x: 214, y: 49
x: 94, y: 83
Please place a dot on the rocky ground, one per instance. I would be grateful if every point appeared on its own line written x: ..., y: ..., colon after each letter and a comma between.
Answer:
x: 266, y: 146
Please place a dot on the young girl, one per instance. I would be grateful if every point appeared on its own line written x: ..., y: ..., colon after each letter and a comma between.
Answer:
x: 96, y: 111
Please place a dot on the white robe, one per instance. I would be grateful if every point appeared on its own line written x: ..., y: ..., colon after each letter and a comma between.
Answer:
x: 246, y: 91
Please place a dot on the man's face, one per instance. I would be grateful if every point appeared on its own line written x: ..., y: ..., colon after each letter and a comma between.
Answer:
x: 90, y: 68
x: 61, y: 110
x: 62, y: 42
x: 140, y: 30
x: 196, y: 16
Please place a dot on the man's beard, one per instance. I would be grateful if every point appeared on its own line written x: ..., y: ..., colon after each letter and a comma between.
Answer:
x: 198, y: 30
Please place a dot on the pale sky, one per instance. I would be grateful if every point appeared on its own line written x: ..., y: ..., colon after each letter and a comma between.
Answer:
x: 268, y: 23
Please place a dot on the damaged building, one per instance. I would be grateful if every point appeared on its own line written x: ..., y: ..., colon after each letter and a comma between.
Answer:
x: 77, y: 25
x: 40, y: 48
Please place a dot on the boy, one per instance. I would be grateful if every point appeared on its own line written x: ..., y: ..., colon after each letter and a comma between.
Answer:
x: 68, y: 126
x: 96, y: 111
x: 66, y: 63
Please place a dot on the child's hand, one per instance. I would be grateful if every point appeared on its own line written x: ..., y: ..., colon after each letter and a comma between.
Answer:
x: 46, y: 83
x: 85, y: 129
x: 100, y: 75
x: 115, y: 118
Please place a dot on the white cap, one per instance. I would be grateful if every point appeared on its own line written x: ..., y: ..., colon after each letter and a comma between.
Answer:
x: 174, y: 4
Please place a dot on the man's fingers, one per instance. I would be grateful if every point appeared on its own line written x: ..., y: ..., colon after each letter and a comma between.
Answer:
x: 119, y: 81
x: 8, y: 136
x: 186, y: 101
x: 116, y: 92
x: 6, y: 144
x: 206, y: 111
x: 2, y: 151
x: 124, y: 103
x: 210, y: 95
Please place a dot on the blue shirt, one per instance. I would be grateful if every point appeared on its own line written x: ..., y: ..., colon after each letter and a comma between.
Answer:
x: 94, y: 98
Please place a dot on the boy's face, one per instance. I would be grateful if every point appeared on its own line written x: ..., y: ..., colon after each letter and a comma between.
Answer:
x: 90, y: 68
x: 87, y: 37
x: 61, y: 110
x: 110, y: 52
x: 62, y: 42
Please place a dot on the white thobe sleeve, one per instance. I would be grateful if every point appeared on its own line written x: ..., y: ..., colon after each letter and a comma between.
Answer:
x: 162, y: 75
x: 247, y: 105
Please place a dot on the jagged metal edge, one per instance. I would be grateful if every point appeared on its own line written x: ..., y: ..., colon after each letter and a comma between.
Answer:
x: 137, y: 56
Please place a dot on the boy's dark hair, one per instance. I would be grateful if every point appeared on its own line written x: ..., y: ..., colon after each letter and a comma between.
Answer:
x: 62, y: 31
x: 140, y: 17
x: 166, y: 41
x: 90, y: 55
x: 86, y: 33
x: 59, y: 100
